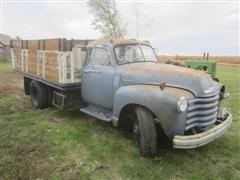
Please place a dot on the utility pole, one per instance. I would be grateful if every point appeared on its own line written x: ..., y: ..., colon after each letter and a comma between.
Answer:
x: 137, y: 17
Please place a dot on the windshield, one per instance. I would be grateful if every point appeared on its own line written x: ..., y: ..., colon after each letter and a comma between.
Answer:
x: 132, y: 53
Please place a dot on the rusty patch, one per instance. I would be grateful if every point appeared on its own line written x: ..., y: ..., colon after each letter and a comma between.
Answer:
x: 166, y: 69
x: 172, y: 91
x: 176, y: 92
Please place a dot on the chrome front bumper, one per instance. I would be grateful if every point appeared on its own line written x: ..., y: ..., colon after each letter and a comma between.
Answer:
x: 197, y: 140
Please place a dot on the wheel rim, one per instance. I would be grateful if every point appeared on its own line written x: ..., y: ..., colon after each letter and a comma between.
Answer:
x: 136, y: 132
x: 34, y: 95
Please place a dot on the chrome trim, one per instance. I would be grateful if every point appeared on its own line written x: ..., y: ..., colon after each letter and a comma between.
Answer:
x: 204, y: 100
x: 202, y: 111
x: 209, y: 105
x: 210, y: 90
x: 197, y: 140
x: 202, y: 119
x: 202, y: 124
x: 179, y: 103
x: 191, y: 114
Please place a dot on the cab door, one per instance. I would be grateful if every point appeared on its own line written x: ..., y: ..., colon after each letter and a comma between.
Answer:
x: 97, y: 78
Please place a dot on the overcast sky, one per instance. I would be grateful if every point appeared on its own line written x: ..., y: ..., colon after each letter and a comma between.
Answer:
x: 172, y: 27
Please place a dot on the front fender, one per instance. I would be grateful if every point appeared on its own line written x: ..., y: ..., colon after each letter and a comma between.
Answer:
x: 162, y: 103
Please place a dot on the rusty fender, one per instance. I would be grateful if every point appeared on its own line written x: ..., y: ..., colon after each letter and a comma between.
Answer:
x: 162, y: 103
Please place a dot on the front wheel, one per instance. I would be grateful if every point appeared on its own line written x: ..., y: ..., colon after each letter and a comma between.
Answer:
x: 144, y: 131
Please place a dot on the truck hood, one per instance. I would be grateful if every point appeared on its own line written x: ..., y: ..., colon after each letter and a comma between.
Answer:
x: 198, y: 82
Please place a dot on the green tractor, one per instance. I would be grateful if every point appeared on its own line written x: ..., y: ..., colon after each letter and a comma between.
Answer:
x: 209, y: 66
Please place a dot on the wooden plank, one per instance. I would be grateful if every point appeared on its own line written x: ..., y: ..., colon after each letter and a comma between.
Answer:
x: 18, y: 63
x: 51, y: 73
x: 52, y: 44
x: 32, y: 68
x: 41, y: 44
x: 51, y: 58
x: 17, y: 51
x: 48, y: 69
x: 32, y: 56
x: 33, y: 45
x: 18, y: 57
x: 24, y: 44
x: 32, y: 62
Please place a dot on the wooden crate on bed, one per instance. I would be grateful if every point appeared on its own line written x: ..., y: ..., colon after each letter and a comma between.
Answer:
x: 48, y: 59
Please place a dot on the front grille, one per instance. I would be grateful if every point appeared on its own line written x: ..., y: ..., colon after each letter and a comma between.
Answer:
x: 202, y: 111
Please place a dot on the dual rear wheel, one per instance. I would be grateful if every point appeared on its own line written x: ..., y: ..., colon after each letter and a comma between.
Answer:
x: 39, y: 94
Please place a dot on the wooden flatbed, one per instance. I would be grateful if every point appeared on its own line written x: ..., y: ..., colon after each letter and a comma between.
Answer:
x: 59, y: 86
x: 53, y: 67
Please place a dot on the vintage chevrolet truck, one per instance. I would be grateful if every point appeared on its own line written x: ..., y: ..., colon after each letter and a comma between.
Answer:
x: 122, y: 82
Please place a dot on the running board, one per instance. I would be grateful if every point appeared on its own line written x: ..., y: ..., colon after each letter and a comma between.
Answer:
x: 98, y: 112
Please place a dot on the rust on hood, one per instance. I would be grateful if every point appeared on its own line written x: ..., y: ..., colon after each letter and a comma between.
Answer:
x: 175, y: 76
x: 165, y: 68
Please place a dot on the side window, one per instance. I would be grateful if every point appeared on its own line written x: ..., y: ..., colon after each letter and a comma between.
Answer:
x: 100, y: 56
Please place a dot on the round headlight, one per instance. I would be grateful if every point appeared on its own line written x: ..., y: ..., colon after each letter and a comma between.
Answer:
x: 182, y: 104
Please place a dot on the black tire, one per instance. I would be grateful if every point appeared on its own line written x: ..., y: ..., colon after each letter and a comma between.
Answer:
x: 27, y: 82
x: 38, y: 94
x: 145, y: 132
x: 50, y: 96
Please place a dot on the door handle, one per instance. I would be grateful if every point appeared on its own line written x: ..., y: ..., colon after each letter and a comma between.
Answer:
x: 91, y: 71
x: 87, y: 71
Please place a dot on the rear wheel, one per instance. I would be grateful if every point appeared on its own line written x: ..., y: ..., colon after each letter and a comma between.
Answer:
x: 38, y: 94
x: 144, y: 131
x: 50, y: 96
x: 26, y: 85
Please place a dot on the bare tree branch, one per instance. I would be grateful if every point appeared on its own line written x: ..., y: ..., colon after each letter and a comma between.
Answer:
x: 107, y: 19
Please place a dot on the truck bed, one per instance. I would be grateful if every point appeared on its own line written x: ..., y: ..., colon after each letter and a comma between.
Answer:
x: 55, y: 61
x: 54, y: 84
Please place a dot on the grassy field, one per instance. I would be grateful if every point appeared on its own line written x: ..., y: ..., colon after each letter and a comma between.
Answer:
x: 51, y: 144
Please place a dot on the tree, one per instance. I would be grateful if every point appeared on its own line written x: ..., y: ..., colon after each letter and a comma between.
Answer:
x: 107, y: 18
x: 17, y: 38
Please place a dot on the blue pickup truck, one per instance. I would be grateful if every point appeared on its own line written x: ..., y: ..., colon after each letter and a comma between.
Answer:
x: 123, y: 83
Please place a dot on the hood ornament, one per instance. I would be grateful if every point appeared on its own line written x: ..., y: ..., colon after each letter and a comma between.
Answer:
x: 162, y: 85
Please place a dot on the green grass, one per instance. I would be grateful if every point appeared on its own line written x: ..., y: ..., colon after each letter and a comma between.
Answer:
x: 5, y: 66
x: 51, y: 144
